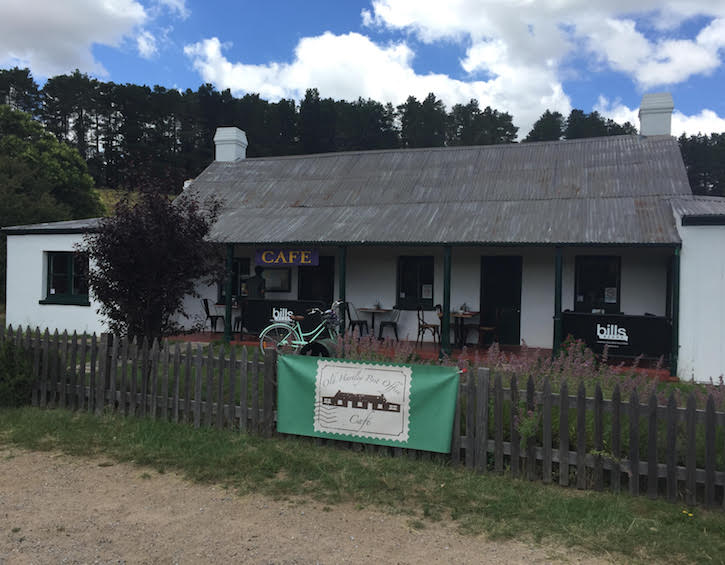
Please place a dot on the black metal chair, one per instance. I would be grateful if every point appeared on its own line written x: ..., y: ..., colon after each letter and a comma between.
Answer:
x: 357, y: 321
x: 391, y: 322
x: 212, y: 318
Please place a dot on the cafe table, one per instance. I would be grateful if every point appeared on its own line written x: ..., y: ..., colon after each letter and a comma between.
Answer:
x: 372, y: 311
x: 458, y: 318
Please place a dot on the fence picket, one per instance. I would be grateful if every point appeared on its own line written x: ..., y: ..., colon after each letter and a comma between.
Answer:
x: 198, y: 362
x: 691, y: 457
x: 564, y: 434
x: 456, y: 436
x: 187, y: 384
x: 515, y: 437
x: 270, y: 366
x: 672, y: 448
x: 165, y: 354
x: 153, y: 379
x: 710, y: 453
x: 102, y: 373
x: 82, y: 362
x: 530, y: 441
x: 546, y: 432
x: 92, y: 370
x: 598, y: 474
x: 134, y: 375
x: 634, y: 443
x: 255, y: 391
x: 244, y: 393
x: 616, y: 473
x: 470, y: 420
x: 581, y: 437
x: 208, y: 388
x: 177, y: 378
x: 113, y: 373
x: 145, y: 369
x: 231, y: 417
x: 123, y: 380
x: 498, y: 423
x: 482, y: 392
x: 72, y: 372
x: 45, y: 370
x: 54, y: 369
x: 36, y: 364
x: 652, y: 448
x: 220, y: 389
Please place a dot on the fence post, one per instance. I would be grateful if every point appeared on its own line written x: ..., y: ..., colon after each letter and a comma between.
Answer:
x: 672, y: 448
x: 616, y: 474
x: 652, y: 465
x: 691, y: 457
x: 581, y: 437
x: 598, y: 438
x: 710, y: 452
x: 515, y: 436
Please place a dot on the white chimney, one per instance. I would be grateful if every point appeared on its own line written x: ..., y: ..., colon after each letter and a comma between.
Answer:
x: 231, y: 144
x: 655, y: 114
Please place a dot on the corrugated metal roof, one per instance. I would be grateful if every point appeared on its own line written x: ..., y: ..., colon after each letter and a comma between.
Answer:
x: 68, y: 226
x: 610, y: 190
x: 699, y: 206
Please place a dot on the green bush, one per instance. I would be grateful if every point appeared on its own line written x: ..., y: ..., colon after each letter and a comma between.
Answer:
x: 16, y: 378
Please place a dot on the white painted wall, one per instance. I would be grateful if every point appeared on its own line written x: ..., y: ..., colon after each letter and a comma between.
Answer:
x: 702, y: 302
x: 26, y: 282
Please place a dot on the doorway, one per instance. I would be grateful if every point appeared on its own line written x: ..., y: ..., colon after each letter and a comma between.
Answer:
x: 501, y: 296
x: 317, y: 283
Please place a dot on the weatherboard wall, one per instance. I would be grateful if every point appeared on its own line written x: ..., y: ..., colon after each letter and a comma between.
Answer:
x: 26, y: 286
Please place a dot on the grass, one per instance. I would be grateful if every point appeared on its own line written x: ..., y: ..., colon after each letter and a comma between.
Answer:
x: 631, y: 529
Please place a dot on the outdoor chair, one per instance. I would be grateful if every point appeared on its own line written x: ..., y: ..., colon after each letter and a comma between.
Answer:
x: 391, y: 322
x: 213, y: 318
x: 357, y: 320
x: 423, y: 326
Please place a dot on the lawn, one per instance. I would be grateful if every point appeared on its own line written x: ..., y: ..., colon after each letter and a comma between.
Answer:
x: 630, y: 529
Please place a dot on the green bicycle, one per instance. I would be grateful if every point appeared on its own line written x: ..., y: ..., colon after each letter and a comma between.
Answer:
x: 288, y: 337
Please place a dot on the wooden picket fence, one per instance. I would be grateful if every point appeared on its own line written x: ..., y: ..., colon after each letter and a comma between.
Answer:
x: 589, y: 443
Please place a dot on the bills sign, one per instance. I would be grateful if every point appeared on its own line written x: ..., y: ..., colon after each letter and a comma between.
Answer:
x: 409, y: 406
x: 287, y: 257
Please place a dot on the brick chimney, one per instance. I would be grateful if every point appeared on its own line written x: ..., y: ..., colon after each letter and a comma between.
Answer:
x: 655, y: 114
x: 231, y: 144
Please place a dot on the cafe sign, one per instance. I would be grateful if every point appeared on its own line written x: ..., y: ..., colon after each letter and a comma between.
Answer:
x: 287, y: 257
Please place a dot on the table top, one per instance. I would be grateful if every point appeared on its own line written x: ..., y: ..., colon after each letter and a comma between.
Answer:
x: 458, y: 314
x: 375, y: 310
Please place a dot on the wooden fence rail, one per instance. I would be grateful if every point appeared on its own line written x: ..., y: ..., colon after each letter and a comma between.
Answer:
x: 632, y: 445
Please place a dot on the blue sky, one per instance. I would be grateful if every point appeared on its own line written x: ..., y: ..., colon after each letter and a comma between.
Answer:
x: 519, y: 56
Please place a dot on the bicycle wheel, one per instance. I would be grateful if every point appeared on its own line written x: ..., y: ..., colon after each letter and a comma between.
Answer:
x: 279, y: 337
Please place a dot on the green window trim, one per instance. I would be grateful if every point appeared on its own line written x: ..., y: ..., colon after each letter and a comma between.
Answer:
x: 67, y: 278
x: 240, y: 272
x: 414, y: 281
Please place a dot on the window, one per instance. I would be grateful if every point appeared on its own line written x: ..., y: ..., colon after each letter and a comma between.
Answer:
x: 597, y: 284
x: 415, y: 282
x: 67, y: 281
x: 240, y: 271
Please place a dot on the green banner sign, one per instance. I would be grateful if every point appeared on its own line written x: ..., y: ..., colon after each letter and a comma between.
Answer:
x: 409, y: 406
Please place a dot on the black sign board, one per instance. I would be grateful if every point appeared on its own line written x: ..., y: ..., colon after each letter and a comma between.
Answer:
x: 626, y: 336
x: 258, y: 314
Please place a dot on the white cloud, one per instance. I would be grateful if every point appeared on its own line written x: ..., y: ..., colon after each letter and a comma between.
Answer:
x: 351, y: 65
x: 146, y: 44
x: 705, y: 122
x: 57, y: 36
x: 54, y: 37
x: 553, y: 30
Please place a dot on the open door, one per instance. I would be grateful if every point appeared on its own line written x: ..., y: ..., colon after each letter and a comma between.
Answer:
x: 501, y: 296
x: 318, y: 283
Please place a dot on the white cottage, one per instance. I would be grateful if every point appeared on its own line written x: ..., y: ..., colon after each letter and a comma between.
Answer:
x: 598, y: 238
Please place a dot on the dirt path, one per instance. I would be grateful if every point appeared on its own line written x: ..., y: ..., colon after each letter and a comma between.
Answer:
x: 60, y: 509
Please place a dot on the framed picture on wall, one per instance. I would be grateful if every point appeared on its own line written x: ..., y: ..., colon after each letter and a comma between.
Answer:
x: 277, y: 280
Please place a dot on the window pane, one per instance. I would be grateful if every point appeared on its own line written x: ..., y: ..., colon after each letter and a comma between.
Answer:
x: 597, y: 284
x: 59, y: 275
x: 415, y: 282
x: 80, y: 274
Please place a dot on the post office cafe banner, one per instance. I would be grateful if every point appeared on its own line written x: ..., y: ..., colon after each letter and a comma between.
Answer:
x: 411, y: 406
